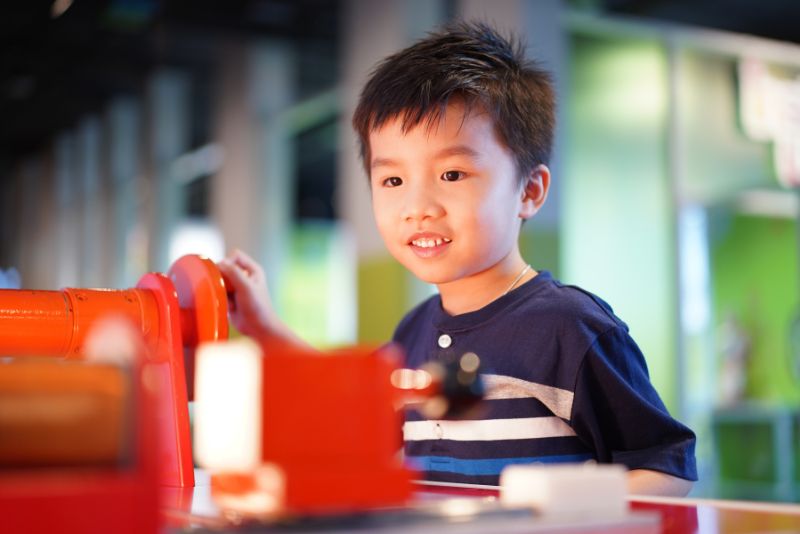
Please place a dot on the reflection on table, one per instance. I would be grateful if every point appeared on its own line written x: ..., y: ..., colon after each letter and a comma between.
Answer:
x: 193, y: 508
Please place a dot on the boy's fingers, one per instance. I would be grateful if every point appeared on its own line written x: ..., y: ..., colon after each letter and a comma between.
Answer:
x: 244, y: 261
x: 231, y: 280
x: 238, y: 253
x: 235, y: 275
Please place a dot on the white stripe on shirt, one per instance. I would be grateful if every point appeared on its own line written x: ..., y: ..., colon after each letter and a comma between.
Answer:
x: 557, y: 400
x: 487, y: 429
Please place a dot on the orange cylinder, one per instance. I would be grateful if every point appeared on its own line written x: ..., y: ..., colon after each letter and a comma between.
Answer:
x: 55, y: 323
x: 34, y: 323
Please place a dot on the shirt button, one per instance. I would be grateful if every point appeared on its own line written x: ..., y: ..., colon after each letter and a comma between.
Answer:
x: 445, y: 341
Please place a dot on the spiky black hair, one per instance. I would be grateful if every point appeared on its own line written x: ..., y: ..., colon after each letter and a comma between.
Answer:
x: 470, y: 62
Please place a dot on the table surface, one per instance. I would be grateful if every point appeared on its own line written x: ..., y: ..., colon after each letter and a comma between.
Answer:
x: 193, y: 509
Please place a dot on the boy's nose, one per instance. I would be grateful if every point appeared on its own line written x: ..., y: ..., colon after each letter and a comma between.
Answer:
x: 421, y: 203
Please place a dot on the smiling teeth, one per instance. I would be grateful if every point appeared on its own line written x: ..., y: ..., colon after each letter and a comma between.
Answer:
x: 429, y: 243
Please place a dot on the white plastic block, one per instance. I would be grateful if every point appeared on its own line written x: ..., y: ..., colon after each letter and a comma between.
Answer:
x: 566, y: 490
x: 227, y: 407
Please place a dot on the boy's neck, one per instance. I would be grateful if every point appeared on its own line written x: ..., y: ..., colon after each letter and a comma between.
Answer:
x: 474, y: 292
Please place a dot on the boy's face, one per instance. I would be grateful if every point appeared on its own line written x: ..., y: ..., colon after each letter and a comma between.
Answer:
x: 447, y: 199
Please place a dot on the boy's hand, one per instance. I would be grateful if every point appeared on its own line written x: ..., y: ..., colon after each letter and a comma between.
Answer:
x: 249, y: 303
x: 250, y: 307
x: 647, y: 482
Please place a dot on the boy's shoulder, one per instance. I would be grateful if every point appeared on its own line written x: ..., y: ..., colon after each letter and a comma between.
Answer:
x: 570, y: 303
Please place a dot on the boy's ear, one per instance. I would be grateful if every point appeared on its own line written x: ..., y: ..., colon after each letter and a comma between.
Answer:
x: 534, y: 191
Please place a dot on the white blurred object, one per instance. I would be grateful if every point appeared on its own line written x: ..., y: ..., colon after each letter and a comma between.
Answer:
x: 769, y: 106
x: 204, y: 161
x: 10, y: 279
x: 264, y: 499
x: 227, y: 406
x: 196, y: 237
x: 114, y: 340
x: 566, y: 490
x: 772, y: 203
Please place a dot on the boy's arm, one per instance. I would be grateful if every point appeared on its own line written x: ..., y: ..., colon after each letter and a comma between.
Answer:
x: 647, y: 482
x: 250, y: 306
x: 618, y: 413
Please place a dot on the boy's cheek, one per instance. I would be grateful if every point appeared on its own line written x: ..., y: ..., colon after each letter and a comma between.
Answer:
x: 379, y: 201
x: 389, y: 238
x: 383, y: 211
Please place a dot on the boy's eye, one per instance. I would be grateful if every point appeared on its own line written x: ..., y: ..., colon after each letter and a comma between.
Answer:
x: 393, y: 181
x: 452, y: 176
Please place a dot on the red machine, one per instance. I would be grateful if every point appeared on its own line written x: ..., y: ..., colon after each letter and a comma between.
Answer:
x: 323, y: 421
x: 173, y: 312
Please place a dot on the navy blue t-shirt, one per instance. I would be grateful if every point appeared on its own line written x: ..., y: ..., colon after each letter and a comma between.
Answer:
x: 565, y: 383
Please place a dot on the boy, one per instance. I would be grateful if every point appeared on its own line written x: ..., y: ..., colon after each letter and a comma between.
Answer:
x: 455, y: 135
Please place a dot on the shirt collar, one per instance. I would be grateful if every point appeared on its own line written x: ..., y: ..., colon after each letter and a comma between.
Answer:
x: 464, y: 321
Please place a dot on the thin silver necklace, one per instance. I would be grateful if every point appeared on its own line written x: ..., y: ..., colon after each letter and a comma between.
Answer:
x: 517, y: 279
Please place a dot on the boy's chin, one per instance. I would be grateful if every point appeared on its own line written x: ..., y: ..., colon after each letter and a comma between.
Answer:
x: 428, y: 277
x: 429, y: 274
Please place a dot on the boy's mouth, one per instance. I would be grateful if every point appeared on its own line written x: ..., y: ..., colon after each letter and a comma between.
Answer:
x: 430, y: 242
x: 428, y: 245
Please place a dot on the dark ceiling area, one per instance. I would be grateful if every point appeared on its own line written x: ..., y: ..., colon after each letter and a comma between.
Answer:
x: 773, y: 19
x: 55, y: 67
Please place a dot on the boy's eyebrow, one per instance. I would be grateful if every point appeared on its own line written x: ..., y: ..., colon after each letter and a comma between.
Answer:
x: 382, y: 162
x: 456, y: 150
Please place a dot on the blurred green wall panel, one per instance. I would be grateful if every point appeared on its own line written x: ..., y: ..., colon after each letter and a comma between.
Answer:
x: 314, y: 296
x: 383, y: 289
x: 617, y: 219
x: 541, y: 248
x: 754, y: 273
